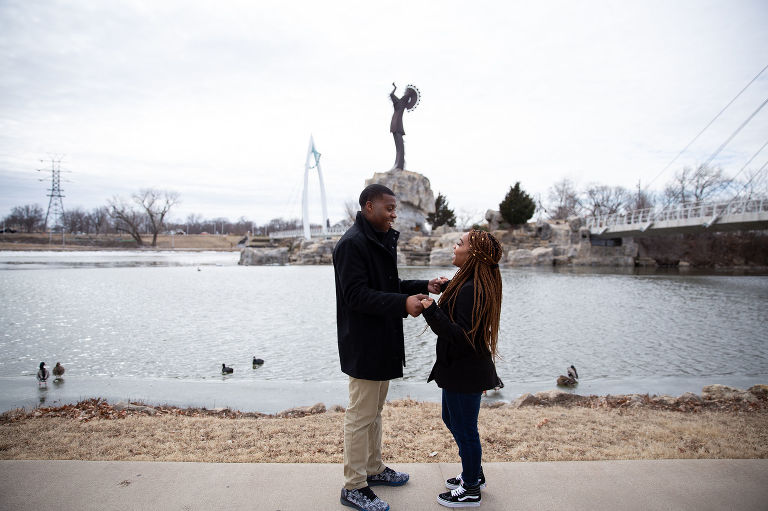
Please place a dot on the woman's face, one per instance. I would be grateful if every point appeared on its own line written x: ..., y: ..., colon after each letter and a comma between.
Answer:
x: 461, y: 250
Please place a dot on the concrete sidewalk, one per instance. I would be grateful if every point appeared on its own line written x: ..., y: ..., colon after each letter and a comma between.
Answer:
x: 593, y: 485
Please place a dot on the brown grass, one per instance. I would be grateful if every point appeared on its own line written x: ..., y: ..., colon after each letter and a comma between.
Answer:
x: 412, y: 431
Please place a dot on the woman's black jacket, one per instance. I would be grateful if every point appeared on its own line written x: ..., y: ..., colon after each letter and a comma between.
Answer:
x: 459, y: 368
x: 370, y: 303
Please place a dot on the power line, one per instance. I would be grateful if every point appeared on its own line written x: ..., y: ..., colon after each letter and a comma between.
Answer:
x: 706, y: 127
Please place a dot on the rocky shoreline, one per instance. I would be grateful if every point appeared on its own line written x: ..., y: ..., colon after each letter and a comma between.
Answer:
x: 713, y: 397
x: 544, y: 243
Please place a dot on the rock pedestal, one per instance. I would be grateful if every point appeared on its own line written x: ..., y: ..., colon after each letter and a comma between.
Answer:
x: 415, y: 199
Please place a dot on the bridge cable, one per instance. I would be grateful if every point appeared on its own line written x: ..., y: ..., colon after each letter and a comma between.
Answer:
x: 705, y: 129
x: 722, y: 146
x: 757, y: 173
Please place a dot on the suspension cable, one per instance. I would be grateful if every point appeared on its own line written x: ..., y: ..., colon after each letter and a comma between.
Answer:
x: 722, y: 146
x: 704, y: 129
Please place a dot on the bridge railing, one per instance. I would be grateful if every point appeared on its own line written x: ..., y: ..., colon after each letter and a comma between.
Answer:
x: 694, y: 210
x: 315, y: 232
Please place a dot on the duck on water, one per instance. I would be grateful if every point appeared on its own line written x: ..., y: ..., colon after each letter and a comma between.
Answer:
x: 569, y: 381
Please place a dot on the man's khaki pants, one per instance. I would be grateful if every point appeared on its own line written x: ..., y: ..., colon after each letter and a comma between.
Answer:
x: 362, y: 431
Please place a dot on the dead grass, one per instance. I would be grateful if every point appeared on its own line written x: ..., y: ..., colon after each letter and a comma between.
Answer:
x: 412, y: 432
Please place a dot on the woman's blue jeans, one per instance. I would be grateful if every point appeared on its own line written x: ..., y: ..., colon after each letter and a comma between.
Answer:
x: 460, y: 413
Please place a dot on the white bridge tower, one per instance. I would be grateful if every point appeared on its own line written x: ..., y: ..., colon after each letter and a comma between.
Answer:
x: 312, y: 154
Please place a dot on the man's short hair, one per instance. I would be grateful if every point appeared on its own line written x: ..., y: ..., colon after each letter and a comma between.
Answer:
x: 373, y: 192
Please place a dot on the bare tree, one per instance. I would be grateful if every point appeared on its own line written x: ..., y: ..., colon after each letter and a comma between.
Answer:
x: 605, y: 200
x: 128, y: 218
x: 640, y: 199
x: 755, y: 184
x: 99, y: 220
x: 28, y: 218
x: 564, y: 200
x: 281, y: 224
x: 465, y: 219
x: 156, y: 205
x: 75, y: 220
x: 350, y: 209
x: 696, y: 185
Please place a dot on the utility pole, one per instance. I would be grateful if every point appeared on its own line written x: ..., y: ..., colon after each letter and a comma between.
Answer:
x: 55, y: 205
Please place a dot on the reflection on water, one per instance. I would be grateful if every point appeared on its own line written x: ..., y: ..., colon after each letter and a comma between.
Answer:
x: 180, y: 316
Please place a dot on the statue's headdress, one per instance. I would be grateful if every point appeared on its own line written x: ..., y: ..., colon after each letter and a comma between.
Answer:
x: 415, y: 96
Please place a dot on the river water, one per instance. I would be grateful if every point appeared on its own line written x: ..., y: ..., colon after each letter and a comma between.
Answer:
x: 156, y: 326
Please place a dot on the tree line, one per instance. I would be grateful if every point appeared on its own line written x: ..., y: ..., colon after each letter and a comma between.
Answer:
x: 688, y: 186
x: 145, y: 214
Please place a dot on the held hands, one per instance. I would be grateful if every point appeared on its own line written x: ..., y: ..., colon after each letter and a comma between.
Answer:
x: 426, y: 302
x: 413, y: 304
x: 435, y: 285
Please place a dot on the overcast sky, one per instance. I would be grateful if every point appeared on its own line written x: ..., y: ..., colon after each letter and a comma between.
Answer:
x: 217, y: 100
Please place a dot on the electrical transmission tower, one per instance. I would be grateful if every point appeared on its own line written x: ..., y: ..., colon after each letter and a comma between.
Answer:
x: 55, y: 205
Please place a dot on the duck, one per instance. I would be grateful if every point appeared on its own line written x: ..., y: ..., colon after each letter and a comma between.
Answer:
x: 569, y: 381
x: 257, y: 362
x: 43, y: 374
x: 226, y: 370
x: 58, y: 370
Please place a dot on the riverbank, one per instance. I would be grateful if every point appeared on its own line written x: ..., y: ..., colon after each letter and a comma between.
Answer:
x: 552, y: 427
x: 79, y: 242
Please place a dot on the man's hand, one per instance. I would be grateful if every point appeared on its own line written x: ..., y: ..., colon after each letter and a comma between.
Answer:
x: 413, y: 304
x: 435, y: 285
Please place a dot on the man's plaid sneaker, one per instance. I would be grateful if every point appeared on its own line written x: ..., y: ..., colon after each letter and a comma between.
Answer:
x: 455, y: 482
x: 460, y: 497
x: 363, y: 499
x: 388, y: 477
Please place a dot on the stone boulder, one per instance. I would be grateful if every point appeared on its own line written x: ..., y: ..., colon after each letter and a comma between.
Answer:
x: 313, y: 252
x: 690, y: 398
x: 302, y: 411
x: 520, y: 257
x: 542, y: 256
x: 447, y: 240
x: 495, y: 220
x: 556, y: 397
x: 543, y: 229
x: 415, y: 199
x: 264, y: 256
x: 526, y: 399
x: 725, y: 393
x: 441, y: 257
x: 759, y: 391
x: 575, y: 223
x: 444, y: 229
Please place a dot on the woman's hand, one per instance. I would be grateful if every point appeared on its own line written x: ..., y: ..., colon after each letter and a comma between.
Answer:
x: 435, y: 285
x: 426, y: 302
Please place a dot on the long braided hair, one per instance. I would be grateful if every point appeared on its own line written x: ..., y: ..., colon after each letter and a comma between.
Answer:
x: 482, y: 265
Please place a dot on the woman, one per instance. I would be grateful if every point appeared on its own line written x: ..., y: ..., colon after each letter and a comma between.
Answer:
x: 466, y: 321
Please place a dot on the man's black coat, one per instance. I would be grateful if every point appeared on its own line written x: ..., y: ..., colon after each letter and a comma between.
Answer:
x: 370, y: 303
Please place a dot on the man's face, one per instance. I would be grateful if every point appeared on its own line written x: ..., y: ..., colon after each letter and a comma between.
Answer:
x: 381, y: 212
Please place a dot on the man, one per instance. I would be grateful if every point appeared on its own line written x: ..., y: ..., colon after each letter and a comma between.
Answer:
x: 371, y: 302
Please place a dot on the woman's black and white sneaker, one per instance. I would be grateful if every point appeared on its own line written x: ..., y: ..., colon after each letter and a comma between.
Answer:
x: 455, y: 482
x: 363, y: 499
x: 460, y: 497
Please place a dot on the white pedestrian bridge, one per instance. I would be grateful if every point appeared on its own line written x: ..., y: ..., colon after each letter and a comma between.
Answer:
x: 749, y: 214
x: 315, y: 232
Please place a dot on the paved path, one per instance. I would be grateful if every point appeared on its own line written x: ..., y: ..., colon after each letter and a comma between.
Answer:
x: 587, y: 485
